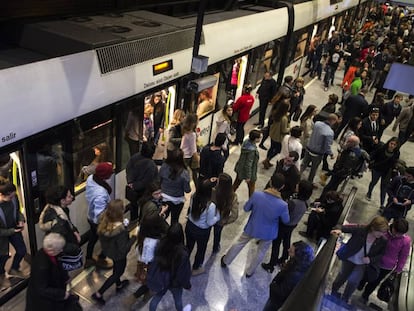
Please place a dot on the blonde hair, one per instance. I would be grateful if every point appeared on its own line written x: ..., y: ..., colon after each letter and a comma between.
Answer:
x: 378, y: 223
x: 148, y: 109
x: 114, y: 213
x: 177, y: 116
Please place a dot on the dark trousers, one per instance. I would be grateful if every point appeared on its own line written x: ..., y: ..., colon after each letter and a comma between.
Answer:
x: 403, y: 137
x: 92, y: 239
x: 350, y: 273
x: 16, y: 240
x: 315, y: 160
x: 177, y: 293
x: 239, y: 132
x: 134, y: 146
x: 175, y: 210
x: 329, y: 75
x: 194, y: 234
x: 333, y: 184
x: 376, y: 175
x: 117, y: 270
x: 284, y: 236
x: 275, y: 148
x: 262, y: 110
x: 371, y: 286
x: 217, y: 229
x: 251, y: 185
x: 394, y: 211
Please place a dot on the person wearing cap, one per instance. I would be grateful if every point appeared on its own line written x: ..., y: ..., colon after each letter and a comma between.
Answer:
x: 98, y: 196
x: 370, y: 130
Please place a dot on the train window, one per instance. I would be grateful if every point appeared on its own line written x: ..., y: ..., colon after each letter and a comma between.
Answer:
x: 266, y: 58
x: 92, y: 143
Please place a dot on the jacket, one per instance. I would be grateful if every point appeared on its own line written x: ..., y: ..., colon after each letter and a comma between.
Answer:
x: 350, y: 162
x: 357, y: 241
x: 56, y: 219
x: 47, y: 284
x: 174, y: 187
x: 404, y: 118
x: 140, y: 171
x: 388, y: 112
x: 97, y: 197
x: 366, y: 133
x: 211, y: 162
x: 279, y: 129
x: 380, y: 162
x: 243, y: 105
x: 5, y: 230
x: 116, y: 243
x: 396, y: 252
x: 292, y: 178
x: 246, y: 166
x: 267, y: 209
x: 355, y: 106
x: 321, y: 139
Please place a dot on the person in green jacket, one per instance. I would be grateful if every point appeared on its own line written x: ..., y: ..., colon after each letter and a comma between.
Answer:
x: 246, y: 166
x: 356, y: 84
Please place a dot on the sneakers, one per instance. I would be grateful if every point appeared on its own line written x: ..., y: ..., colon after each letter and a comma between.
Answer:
x: 216, y: 249
x: 368, y: 197
x: 17, y: 273
x: 187, y: 308
x: 268, y: 267
x: 222, y: 263
x: 104, y: 263
x: 98, y: 300
x: 121, y: 286
x: 198, y: 271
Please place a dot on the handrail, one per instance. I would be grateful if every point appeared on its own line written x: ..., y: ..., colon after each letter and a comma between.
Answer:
x: 308, y: 294
x: 405, y: 296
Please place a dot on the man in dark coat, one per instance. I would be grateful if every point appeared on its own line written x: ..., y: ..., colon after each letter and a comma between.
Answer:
x: 266, y: 91
x: 389, y: 112
x: 370, y: 131
x: 212, y: 159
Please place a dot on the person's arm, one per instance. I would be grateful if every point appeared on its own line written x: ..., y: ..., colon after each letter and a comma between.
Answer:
x: 186, y: 181
x: 212, y: 215
x: 403, y: 254
x: 234, y: 212
x: 285, y: 214
x: 248, y: 206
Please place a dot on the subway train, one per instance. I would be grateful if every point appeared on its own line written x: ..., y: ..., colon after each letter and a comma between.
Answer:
x: 66, y: 101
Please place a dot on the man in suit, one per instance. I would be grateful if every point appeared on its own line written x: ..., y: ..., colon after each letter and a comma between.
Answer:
x: 370, y: 130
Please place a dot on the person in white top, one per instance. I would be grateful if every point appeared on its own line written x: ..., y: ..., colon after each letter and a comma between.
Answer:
x: 189, y: 143
x: 292, y: 143
x: 223, y: 122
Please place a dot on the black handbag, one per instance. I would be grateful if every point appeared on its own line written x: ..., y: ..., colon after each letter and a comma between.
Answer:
x: 386, y: 289
x: 72, y: 262
x: 131, y: 195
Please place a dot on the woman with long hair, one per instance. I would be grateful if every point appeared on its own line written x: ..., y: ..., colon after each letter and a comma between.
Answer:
x: 102, y: 153
x: 174, y: 133
x: 171, y: 269
x: 175, y: 182
x: 223, y: 123
x: 151, y: 200
x: 116, y: 243
x: 278, y: 130
x: 300, y: 259
x: 202, y: 216
x: 189, y: 143
x: 306, y: 123
x: 383, y: 160
x: 351, y: 129
x: 360, y: 255
x: 158, y: 115
x: 227, y: 206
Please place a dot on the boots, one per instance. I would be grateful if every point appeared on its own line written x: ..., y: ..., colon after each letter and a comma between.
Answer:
x: 267, y: 164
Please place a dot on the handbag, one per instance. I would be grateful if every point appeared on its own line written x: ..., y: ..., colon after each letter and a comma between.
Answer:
x: 387, y: 288
x: 131, y: 195
x: 71, y: 262
x: 371, y: 271
x: 195, y: 161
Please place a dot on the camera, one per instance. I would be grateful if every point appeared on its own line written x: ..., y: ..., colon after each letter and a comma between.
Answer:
x: 197, y: 85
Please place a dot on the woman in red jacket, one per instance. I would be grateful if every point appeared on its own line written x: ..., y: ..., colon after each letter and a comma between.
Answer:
x: 243, y: 105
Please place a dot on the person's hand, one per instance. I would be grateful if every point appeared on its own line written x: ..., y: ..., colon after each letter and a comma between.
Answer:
x: 406, y: 202
x: 67, y: 294
x: 336, y: 232
x: 77, y: 235
x: 161, y: 130
x: 247, y: 180
x: 395, y: 200
x: 382, y: 122
x: 16, y: 230
x: 213, y: 179
x: 375, y: 139
x: 366, y: 260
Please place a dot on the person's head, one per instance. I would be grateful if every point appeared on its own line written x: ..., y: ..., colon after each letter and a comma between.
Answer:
x: 175, y: 157
x: 148, y: 110
x: 409, y: 174
x: 224, y: 194
x: 178, y: 116
x: 364, y: 73
x: 310, y: 111
x: 280, y: 110
x: 291, y: 158
x: 332, y: 119
x: 355, y: 124
x: 399, y: 227
x: 59, y: 195
x: 227, y: 110
x: 299, y: 81
x: 102, y: 151
x: 114, y: 211
x: 332, y: 196
x: 337, y: 47
x: 378, y: 226
x: 156, y: 98
x: 220, y: 139
x: 352, y: 141
x: 333, y: 99
x: 392, y: 144
x: 147, y: 150
x: 397, y: 99
x: 53, y: 244
x: 301, y: 253
x: 104, y: 170
x: 305, y: 189
x: 288, y: 80
x: 267, y: 75
x: 254, y: 136
x: 175, y: 234
x: 7, y: 191
x: 190, y: 123
x: 296, y: 131
x: 277, y: 181
x: 201, y: 197
x: 247, y: 89
x: 374, y: 114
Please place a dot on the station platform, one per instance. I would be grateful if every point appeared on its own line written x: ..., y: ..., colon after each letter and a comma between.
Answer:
x: 228, y: 289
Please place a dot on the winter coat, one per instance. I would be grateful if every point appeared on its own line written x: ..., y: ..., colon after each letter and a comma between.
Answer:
x: 97, y: 197
x: 5, y: 232
x: 116, y: 242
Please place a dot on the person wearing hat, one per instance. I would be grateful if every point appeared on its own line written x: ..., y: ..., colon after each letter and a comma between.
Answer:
x: 370, y: 130
x: 98, y: 196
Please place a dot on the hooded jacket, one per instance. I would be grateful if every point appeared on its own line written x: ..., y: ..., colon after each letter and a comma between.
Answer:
x: 116, y: 242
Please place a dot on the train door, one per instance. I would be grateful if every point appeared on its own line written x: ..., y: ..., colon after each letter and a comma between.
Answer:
x: 11, y: 170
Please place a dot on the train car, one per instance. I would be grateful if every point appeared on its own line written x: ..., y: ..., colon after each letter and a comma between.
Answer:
x: 66, y: 107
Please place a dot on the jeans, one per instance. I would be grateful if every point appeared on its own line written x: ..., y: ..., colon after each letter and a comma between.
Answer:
x: 92, y: 239
x: 262, y: 109
x: 329, y: 75
x: 195, y: 234
x: 117, y: 270
x: 275, y: 148
x: 370, y: 286
x: 250, y: 184
x: 177, y: 293
x: 255, y: 257
x: 376, y: 175
x: 217, y: 229
x: 315, y: 160
x: 284, y: 236
x: 239, y: 132
x: 175, y: 210
x: 16, y: 240
x: 350, y: 273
